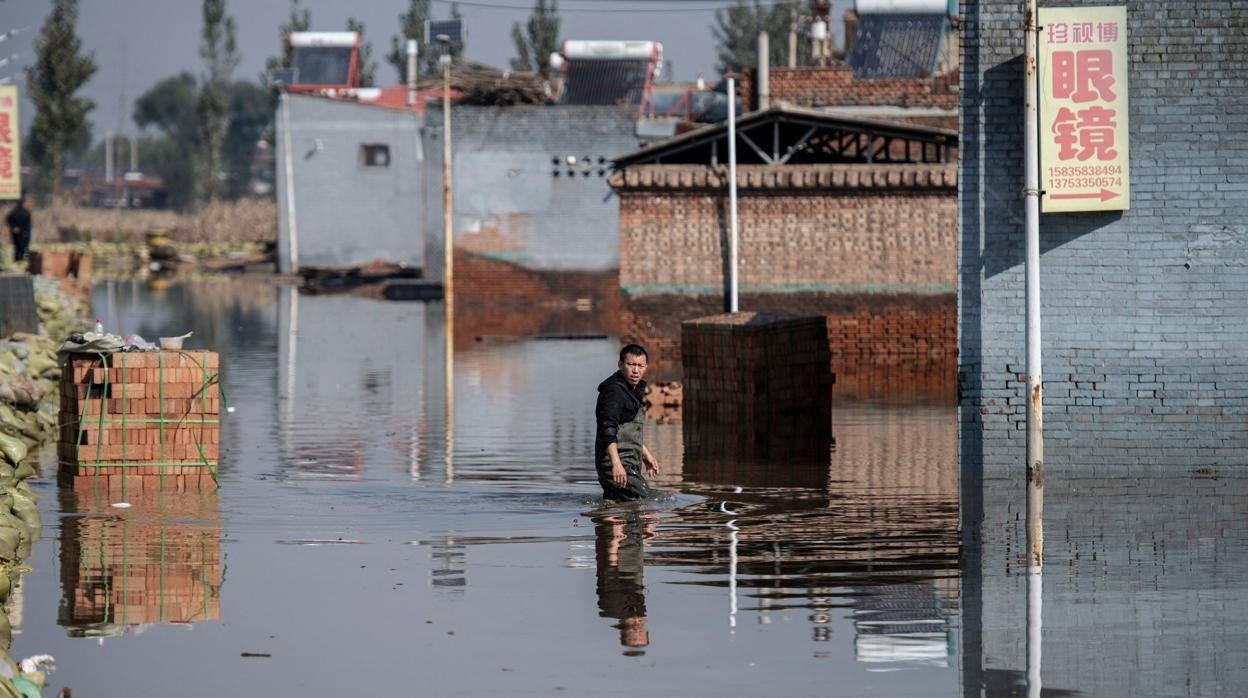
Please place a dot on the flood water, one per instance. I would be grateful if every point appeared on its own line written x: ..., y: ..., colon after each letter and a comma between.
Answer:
x: 361, y: 544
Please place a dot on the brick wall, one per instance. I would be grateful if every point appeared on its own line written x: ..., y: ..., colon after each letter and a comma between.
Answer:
x: 880, y: 346
x: 500, y: 299
x: 1144, y: 319
x: 846, y: 228
x: 757, y: 389
x: 835, y: 86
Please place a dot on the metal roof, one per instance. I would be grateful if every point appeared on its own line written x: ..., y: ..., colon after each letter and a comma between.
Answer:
x: 786, y: 134
x: 896, y: 46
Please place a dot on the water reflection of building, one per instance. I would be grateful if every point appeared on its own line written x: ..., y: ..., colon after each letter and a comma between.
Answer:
x: 874, y: 527
x: 157, y: 562
x: 1143, y: 589
x: 372, y: 369
x: 449, y: 571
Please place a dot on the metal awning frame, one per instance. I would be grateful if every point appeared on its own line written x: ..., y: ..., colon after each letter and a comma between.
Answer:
x: 780, y: 134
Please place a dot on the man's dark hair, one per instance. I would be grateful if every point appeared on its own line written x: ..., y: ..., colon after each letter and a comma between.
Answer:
x: 633, y: 350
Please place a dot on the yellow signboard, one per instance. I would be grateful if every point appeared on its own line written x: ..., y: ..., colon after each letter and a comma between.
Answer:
x: 1083, y: 109
x: 10, y: 145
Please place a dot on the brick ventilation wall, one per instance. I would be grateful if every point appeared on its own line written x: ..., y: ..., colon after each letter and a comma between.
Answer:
x: 758, y: 388
x: 1145, y: 322
x: 836, y: 86
x: 888, y: 228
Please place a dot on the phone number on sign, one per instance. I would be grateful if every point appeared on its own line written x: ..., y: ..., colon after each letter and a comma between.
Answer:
x: 1085, y: 170
x: 1085, y: 182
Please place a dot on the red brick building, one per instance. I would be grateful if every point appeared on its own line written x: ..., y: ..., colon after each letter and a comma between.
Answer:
x: 848, y: 217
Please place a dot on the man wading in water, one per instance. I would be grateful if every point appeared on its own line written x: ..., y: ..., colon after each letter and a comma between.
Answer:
x: 618, y: 451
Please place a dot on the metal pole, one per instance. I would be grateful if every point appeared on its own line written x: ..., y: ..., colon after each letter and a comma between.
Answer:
x: 732, y: 195
x: 288, y: 169
x: 764, y: 70
x: 411, y: 72
x: 448, y: 262
x: 1035, y: 624
x: 1035, y: 395
x: 448, y: 242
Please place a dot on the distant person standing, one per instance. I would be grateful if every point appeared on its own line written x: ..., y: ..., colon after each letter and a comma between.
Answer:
x: 18, y: 223
x: 618, y: 450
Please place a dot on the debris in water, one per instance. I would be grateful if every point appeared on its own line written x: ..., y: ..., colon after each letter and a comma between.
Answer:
x: 254, y: 654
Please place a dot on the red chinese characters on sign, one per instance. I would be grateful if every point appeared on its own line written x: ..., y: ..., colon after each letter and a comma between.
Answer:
x: 1082, y: 77
x: 1081, y: 32
x: 1085, y: 134
x: 6, y: 149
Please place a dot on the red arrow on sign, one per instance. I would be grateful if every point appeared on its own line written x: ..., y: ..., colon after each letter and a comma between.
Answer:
x: 1103, y: 195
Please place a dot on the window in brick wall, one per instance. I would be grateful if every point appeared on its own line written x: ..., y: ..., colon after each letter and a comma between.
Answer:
x: 374, y: 154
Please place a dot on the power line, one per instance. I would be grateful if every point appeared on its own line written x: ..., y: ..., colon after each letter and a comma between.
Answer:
x: 586, y: 10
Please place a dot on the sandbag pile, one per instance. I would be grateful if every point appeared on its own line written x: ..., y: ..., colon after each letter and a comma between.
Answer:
x: 29, y: 378
x: 20, y: 527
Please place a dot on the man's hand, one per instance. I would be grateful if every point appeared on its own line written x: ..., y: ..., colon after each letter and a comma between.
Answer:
x: 652, y: 463
x: 618, y: 475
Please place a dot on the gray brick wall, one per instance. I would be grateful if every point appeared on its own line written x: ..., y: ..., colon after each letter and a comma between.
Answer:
x: 516, y: 196
x: 1145, y: 312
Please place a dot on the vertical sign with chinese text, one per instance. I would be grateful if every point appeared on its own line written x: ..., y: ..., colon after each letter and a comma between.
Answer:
x: 10, y: 149
x: 1083, y: 109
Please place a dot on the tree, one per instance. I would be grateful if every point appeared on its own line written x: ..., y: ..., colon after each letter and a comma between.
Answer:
x: 537, y: 40
x: 52, y: 83
x: 170, y: 107
x: 220, y: 53
x: 250, y: 114
x: 736, y: 31
x: 300, y: 20
x: 368, y: 67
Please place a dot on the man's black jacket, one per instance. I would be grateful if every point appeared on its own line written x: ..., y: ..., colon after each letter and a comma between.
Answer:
x: 18, y: 218
x: 618, y: 402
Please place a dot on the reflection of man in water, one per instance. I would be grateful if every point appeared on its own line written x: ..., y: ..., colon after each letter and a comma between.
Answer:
x: 618, y: 451
x: 621, y: 591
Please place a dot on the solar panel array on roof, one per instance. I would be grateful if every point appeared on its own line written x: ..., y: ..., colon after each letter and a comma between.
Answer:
x: 896, y: 46
x: 605, y: 81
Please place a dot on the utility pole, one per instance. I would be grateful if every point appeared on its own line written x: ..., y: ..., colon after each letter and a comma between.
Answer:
x: 732, y: 195
x: 1035, y: 394
x: 448, y: 258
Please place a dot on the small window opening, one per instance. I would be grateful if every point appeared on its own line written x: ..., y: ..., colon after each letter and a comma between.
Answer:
x: 375, y: 155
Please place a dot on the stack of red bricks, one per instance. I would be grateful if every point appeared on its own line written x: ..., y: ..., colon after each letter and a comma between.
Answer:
x: 143, y: 421
x: 757, y: 387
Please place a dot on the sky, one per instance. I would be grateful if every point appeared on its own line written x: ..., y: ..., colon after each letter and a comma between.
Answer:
x: 138, y: 42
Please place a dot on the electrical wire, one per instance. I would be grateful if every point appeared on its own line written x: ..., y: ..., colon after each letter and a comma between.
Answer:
x: 563, y: 9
